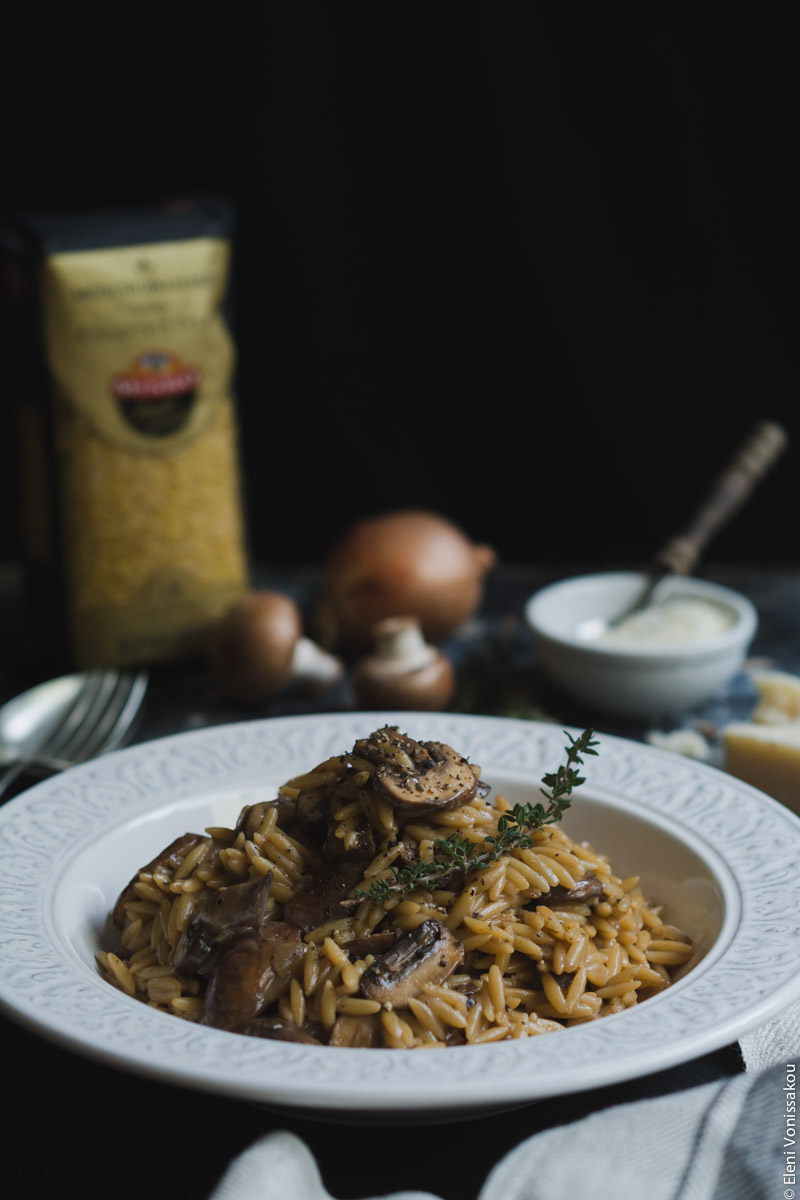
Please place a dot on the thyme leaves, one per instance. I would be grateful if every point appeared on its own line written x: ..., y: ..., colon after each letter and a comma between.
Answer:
x: 515, y: 830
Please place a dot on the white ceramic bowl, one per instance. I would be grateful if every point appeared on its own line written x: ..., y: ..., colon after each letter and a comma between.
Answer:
x: 68, y: 845
x: 637, y: 682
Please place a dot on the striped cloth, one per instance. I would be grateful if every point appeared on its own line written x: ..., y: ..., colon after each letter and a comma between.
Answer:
x: 732, y: 1139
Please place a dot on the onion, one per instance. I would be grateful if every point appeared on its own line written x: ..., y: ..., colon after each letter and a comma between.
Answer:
x: 409, y: 563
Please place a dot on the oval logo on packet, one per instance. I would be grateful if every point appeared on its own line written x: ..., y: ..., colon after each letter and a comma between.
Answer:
x: 157, y: 392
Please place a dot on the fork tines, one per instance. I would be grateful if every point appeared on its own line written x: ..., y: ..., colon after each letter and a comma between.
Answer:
x: 100, y: 719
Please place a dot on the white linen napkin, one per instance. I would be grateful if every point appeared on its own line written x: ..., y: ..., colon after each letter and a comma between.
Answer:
x: 776, y: 1042
x: 720, y: 1141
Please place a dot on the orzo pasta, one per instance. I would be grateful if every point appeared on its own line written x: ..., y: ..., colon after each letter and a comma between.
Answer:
x: 387, y: 899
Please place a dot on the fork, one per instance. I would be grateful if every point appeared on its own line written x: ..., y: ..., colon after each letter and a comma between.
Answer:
x: 99, y: 720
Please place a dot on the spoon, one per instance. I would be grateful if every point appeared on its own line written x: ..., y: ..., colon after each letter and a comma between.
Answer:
x: 28, y: 721
x: 678, y: 556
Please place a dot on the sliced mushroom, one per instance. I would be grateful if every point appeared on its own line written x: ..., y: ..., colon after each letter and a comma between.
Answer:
x: 355, y: 1031
x: 428, y: 955
x: 228, y: 910
x: 371, y: 943
x: 251, y: 969
x: 359, y: 847
x: 417, y: 777
x: 313, y: 810
x: 452, y: 880
x: 278, y: 1030
x: 585, y: 889
x: 326, y: 898
x: 170, y: 858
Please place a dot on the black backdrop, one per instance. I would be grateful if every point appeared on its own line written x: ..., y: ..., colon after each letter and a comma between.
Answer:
x: 532, y: 265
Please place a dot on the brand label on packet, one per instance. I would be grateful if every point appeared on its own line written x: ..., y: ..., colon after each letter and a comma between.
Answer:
x: 135, y: 339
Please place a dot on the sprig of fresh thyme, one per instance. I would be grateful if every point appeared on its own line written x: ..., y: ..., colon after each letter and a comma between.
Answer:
x: 514, y: 831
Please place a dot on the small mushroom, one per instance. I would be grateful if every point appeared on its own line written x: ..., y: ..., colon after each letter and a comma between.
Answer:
x: 585, y: 889
x: 417, y: 777
x: 326, y: 898
x: 428, y: 955
x: 229, y: 910
x: 359, y: 847
x: 258, y: 648
x: 404, y: 671
x: 371, y: 943
x: 251, y: 969
x: 313, y: 811
x: 355, y: 1031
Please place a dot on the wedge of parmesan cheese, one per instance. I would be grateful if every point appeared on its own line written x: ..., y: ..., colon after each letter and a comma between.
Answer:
x: 778, y: 697
x: 767, y: 756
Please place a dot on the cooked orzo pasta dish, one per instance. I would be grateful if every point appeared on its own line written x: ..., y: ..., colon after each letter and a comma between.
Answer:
x: 387, y: 899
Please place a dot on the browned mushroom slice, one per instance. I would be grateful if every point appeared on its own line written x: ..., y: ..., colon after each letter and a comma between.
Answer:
x: 358, y: 847
x: 355, y: 1031
x: 390, y: 749
x: 371, y: 943
x: 278, y: 1030
x: 170, y: 858
x: 428, y: 955
x: 417, y: 776
x: 443, y: 779
x: 326, y: 898
x: 251, y: 969
x: 238, y: 906
x: 313, y: 811
x: 585, y: 889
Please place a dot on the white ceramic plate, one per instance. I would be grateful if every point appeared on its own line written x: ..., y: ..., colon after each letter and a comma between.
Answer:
x: 721, y: 856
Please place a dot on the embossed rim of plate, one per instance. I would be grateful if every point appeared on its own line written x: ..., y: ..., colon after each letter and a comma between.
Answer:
x: 753, y: 977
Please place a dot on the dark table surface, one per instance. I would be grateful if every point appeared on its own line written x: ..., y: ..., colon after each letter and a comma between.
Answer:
x: 78, y: 1124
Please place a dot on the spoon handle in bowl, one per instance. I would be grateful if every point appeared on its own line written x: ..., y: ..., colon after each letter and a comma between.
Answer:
x: 749, y: 465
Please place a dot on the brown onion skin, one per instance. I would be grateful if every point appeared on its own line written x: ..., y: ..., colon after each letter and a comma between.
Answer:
x: 252, y: 645
x: 410, y: 562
